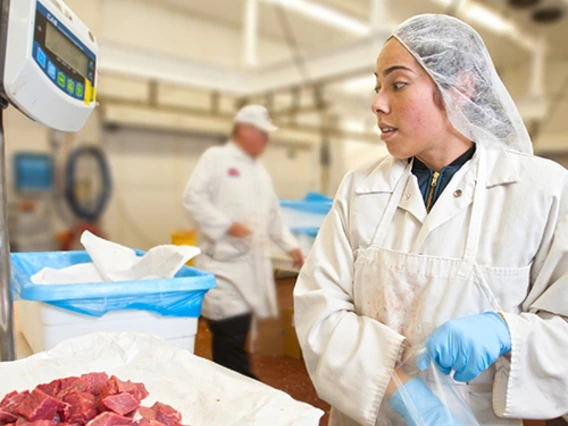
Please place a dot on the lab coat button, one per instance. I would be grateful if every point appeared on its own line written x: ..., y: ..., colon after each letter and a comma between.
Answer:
x: 458, y: 193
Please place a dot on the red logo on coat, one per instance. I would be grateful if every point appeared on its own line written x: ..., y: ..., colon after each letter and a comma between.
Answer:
x: 234, y: 172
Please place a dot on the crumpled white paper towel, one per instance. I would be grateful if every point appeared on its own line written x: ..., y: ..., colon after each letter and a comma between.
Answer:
x: 206, y: 394
x: 113, y: 262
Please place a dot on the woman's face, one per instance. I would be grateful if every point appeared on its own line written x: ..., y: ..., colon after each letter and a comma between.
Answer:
x: 408, y: 105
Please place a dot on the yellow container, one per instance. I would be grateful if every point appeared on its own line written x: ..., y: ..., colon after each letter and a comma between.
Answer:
x: 184, y: 238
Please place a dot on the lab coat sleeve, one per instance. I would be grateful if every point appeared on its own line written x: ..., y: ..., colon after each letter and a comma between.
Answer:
x: 198, y: 199
x: 349, y: 357
x: 534, y: 383
x: 279, y: 231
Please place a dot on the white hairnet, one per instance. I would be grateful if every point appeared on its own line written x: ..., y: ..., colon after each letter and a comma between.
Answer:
x: 477, y: 102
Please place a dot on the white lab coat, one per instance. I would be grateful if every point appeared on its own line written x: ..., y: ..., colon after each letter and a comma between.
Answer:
x: 522, y: 255
x: 228, y: 186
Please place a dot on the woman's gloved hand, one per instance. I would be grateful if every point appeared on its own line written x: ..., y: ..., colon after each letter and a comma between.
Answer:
x: 467, y: 345
x: 417, y: 405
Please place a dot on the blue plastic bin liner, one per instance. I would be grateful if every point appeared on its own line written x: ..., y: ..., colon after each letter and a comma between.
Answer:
x: 180, y: 296
x: 311, y: 232
x: 313, y: 202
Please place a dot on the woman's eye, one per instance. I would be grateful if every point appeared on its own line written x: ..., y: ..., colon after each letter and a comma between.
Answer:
x: 377, y: 89
x: 398, y: 86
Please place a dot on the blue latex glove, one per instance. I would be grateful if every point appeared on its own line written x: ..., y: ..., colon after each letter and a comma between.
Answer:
x: 418, y: 406
x: 467, y: 345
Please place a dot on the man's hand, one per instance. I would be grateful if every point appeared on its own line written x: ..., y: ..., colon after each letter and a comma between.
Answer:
x: 239, y: 231
x: 298, y: 258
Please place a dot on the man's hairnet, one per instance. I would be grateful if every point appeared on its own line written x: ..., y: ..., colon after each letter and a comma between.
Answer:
x: 476, y: 100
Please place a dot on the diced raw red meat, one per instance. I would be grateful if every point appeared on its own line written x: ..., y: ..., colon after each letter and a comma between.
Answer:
x: 12, y: 400
x: 95, y: 382
x: 21, y: 421
x: 72, y: 384
x: 109, y: 419
x: 147, y: 414
x: 122, y: 403
x: 7, y: 417
x: 52, y: 388
x: 82, y: 408
x: 115, y: 386
x: 148, y: 423
x: 166, y: 414
x: 40, y: 423
x: 38, y: 406
x: 93, y: 399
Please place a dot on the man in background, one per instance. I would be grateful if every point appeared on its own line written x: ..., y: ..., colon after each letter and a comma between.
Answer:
x: 231, y: 199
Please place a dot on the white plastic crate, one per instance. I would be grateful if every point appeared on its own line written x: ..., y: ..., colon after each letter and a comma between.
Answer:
x: 45, y: 326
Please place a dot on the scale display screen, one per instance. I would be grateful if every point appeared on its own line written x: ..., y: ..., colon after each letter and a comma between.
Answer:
x: 66, y: 50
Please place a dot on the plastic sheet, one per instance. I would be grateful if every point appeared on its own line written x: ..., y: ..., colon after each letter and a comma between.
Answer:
x: 180, y: 296
x: 429, y: 398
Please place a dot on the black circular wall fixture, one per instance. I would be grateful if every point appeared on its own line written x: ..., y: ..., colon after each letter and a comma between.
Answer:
x: 548, y: 15
x: 92, y: 213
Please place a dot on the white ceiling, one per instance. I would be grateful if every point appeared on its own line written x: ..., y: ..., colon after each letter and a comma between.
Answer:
x: 312, y: 36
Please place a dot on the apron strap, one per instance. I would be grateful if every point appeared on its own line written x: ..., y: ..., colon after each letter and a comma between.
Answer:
x: 392, y: 205
x: 478, y: 206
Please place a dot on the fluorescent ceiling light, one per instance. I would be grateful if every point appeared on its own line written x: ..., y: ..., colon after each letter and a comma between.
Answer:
x: 487, y: 18
x: 324, y: 14
x: 359, y: 85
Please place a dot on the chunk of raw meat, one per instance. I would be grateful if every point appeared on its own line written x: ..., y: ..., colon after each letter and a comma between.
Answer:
x: 95, y: 382
x: 12, y: 400
x: 147, y: 414
x: 40, y: 423
x: 7, y: 417
x: 9, y: 405
x: 82, y: 408
x: 147, y: 423
x: 72, y: 384
x: 39, y: 406
x: 52, y: 388
x: 137, y: 390
x: 166, y: 414
x: 110, y: 419
x: 122, y: 403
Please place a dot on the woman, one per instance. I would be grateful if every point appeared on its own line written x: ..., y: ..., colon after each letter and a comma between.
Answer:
x: 456, y: 243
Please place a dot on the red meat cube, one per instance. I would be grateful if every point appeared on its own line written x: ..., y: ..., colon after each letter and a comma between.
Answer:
x: 147, y: 414
x: 39, y: 406
x: 95, y: 382
x: 40, y: 423
x: 110, y: 419
x: 52, y: 388
x: 115, y: 385
x: 122, y: 403
x: 166, y: 414
x: 7, y: 417
x: 82, y: 408
x: 72, y: 384
x: 148, y: 423
x: 12, y: 400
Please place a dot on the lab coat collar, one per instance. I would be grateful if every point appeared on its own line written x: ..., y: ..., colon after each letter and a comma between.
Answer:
x: 501, y: 170
x: 237, y: 152
x: 384, y: 177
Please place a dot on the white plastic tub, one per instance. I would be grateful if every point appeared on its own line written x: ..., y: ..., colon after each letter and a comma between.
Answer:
x: 45, y: 326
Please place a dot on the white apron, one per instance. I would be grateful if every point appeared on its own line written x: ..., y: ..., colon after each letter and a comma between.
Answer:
x: 413, y: 294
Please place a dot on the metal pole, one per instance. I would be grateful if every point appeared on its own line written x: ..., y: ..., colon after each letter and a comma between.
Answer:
x: 7, y: 344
